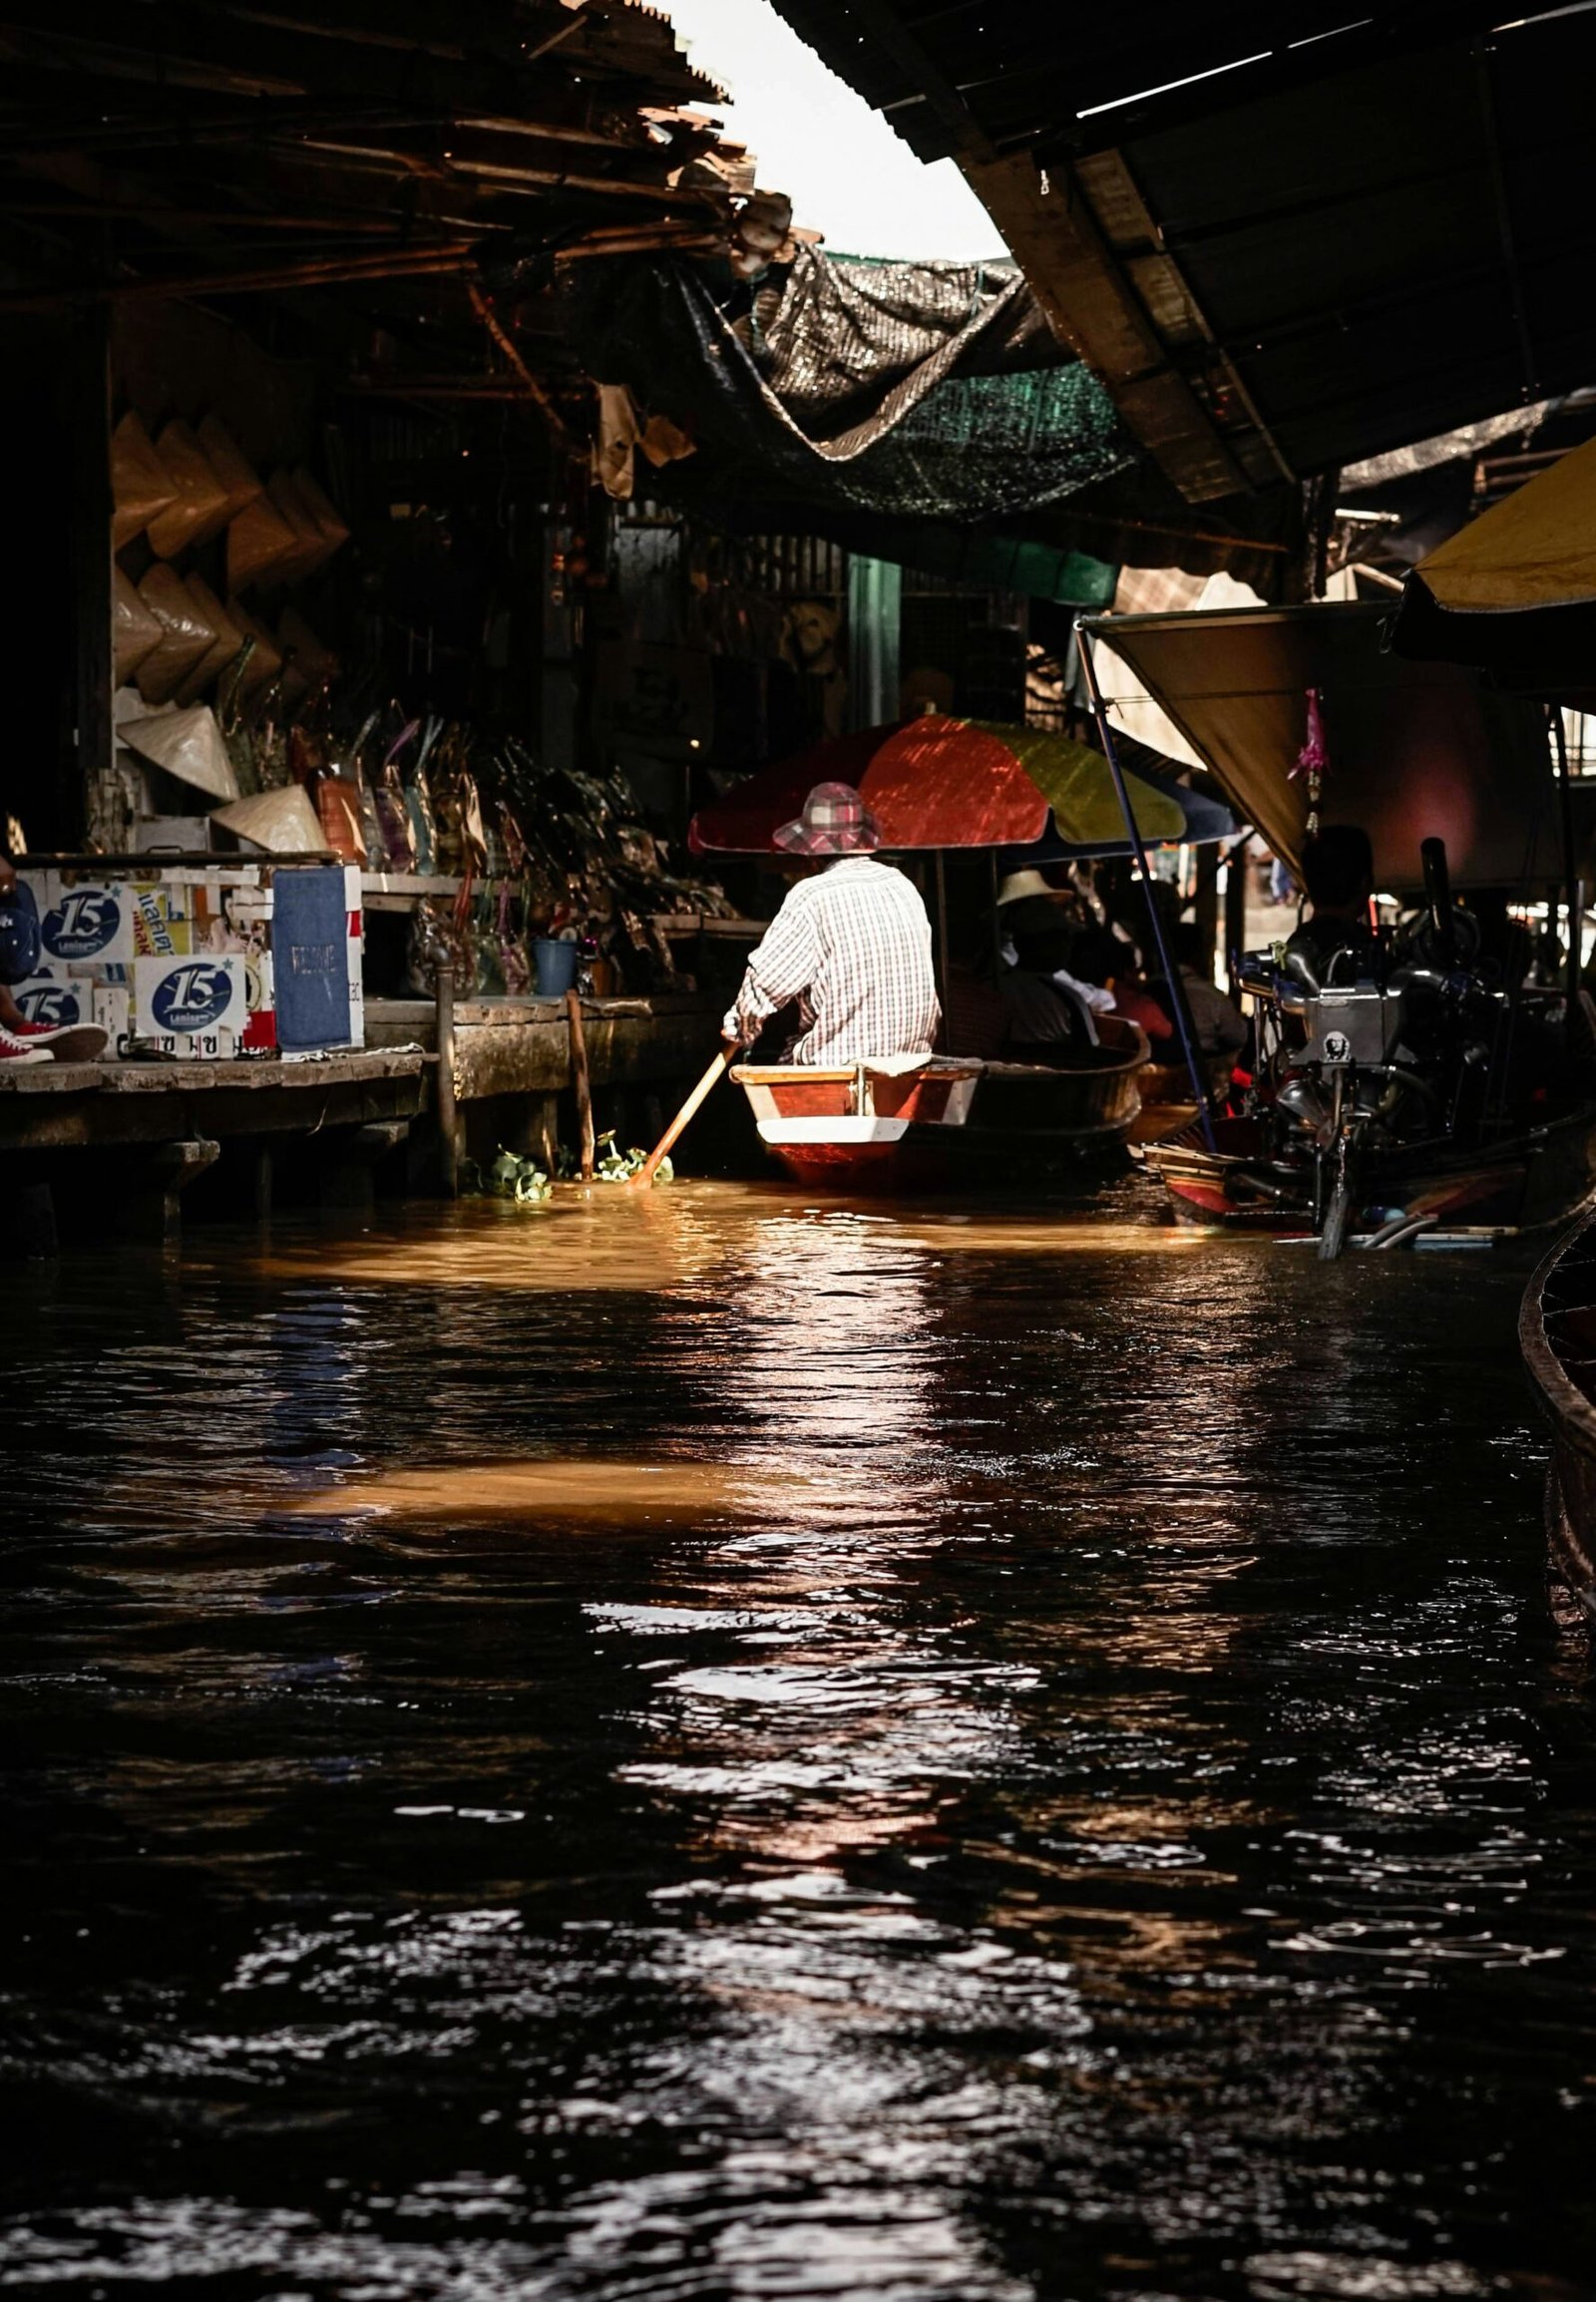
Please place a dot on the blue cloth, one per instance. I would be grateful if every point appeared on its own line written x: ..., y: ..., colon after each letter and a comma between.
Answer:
x: 19, y: 932
x: 310, y: 957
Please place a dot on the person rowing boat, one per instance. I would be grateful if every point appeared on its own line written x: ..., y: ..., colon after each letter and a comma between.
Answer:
x: 851, y: 945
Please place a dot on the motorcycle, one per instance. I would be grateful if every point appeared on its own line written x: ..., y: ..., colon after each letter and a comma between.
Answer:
x: 1391, y: 1086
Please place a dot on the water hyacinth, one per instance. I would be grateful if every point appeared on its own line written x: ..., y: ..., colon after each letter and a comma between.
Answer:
x: 511, y: 1176
x: 613, y: 1165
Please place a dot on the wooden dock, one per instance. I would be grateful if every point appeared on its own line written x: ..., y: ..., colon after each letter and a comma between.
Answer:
x: 112, y: 1145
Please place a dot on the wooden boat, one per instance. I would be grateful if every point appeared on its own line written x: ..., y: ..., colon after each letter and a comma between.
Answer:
x: 1557, y: 1335
x: 924, y: 1122
x: 1166, y: 1103
x: 1521, y: 1182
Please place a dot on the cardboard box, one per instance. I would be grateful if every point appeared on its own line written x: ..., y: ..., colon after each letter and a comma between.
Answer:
x: 177, y: 834
x: 109, y: 932
x: 192, y: 1005
x: 112, y: 1008
x: 86, y: 925
x: 60, y: 1001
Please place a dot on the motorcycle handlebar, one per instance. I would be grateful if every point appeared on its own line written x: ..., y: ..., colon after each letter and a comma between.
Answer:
x: 1439, y: 900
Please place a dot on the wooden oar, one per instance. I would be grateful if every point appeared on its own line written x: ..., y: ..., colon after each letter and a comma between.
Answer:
x: 646, y: 1172
x: 581, y: 1081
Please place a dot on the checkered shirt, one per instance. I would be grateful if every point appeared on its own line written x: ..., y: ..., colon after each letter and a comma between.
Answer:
x: 853, y: 947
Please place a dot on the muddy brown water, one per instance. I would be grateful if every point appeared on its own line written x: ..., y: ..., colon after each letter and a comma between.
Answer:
x: 716, y: 1748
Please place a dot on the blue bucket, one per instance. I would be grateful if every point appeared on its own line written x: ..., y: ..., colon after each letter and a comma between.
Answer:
x: 557, y: 967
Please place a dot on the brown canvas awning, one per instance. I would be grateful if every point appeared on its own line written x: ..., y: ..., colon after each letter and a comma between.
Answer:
x: 1415, y: 749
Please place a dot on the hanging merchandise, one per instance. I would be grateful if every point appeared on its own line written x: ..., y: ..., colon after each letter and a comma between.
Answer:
x: 325, y: 513
x: 135, y: 628
x: 233, y: 468
x: 199, y: 502
x: 309, y: 547
x: 185, y: 636
x: 419, y: 807
x: 1312, y: 761
x: 488, y: 956
x: 373, y: 838
x: 265, y: 659
x: 236, y: 734
x: 393, y: 815
x: 309, y: 664
x: 260, y: 542
x: 227, y: 643
x: 140, y: 485
x: 283, y: 821
x: 514, y: 965
x: 337, y: 804
x: 189, y: 745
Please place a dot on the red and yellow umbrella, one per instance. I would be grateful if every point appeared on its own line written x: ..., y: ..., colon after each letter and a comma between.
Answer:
x: 932, y: 782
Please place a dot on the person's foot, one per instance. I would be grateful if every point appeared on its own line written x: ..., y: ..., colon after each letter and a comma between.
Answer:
x: 67, y: 1043
x: 16, y: 1049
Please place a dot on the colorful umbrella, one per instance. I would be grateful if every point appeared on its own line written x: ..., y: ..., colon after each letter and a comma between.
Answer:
x: 946, y: 783
x: 1207, y: 821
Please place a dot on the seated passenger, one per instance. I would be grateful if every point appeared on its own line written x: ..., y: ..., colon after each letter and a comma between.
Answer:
x: 1105, y: 959
x: 1339, y: 875
x: 851, y: 945
x: 1050, y: 1008
x: 1220, y: 1026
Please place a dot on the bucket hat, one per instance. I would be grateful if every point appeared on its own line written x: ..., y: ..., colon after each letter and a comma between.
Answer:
x: 835, y: 821
x: 1018, y: 885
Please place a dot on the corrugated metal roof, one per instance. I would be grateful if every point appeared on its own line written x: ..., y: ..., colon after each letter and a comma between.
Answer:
x: 1289, y: 241
x: 1023, y: 72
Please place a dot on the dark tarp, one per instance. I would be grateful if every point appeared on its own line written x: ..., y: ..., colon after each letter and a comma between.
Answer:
x: 1414, y: 749
x: 917, y: 412
x: 863, y: 385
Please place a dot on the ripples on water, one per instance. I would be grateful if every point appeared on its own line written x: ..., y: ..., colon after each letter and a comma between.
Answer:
x: 703, y: 1748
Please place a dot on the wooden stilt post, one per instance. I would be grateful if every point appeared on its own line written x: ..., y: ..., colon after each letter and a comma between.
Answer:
x: 448, y: 1140
x: 581, y: 1081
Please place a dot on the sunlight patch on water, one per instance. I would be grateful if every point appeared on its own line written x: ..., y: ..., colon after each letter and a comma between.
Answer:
x: 599, y: 1242
x: 572, y: 1487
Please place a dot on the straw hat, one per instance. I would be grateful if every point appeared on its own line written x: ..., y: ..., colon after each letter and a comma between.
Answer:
x: 189, y: 745
x: 1018, y: 885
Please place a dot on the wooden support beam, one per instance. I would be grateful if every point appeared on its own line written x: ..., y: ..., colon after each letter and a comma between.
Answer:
x: 535, y: 391
x: 228, y: 219
x: 328, y: 271
x: 1092, y: 306
x: 209, y: 49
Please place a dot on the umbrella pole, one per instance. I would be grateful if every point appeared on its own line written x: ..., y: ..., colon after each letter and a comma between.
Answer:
x: 942, y: 925
x: 1177, y: 991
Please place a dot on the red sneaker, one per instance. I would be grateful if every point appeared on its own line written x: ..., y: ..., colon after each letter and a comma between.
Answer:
x: 18, y: 1051
x: 67, y: 1043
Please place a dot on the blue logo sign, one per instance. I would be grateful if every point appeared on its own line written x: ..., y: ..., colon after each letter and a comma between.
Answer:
x: 82, y: 925
x: 191, y: 997
x: 57, y: 1006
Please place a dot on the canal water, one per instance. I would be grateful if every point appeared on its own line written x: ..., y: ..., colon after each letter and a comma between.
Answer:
x: 709, y: 1747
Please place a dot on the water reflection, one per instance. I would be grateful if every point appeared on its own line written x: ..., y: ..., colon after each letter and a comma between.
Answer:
x: 746, y: 1751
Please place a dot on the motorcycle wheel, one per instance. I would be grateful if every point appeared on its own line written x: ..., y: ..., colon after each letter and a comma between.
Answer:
x: 1338, y: 1215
